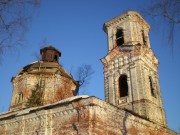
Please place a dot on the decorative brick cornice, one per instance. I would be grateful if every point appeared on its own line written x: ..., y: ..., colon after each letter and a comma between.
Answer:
x: 125, y: 16
x: 85, y: 112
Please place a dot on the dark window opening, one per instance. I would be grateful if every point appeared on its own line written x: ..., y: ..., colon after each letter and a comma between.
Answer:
x: 123, y: 86
x: 55, y: 58
x: 120, y: 37
x: 152, y: 87
x: 144, y: 38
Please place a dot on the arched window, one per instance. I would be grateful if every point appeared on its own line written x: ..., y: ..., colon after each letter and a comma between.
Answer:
x: 119, y: 37
x: 123, y: 86
x: 144, y: 38
x: 152, y: 87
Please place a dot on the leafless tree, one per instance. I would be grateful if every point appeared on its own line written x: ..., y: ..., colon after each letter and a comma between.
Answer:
x: 83, y: 75
x: 167, y: 12
x: 43, y: 43
x: 14, y: 18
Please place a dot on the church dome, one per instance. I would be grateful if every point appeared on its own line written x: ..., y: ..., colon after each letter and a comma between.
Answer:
x: 43, y: 67
x: 46, y: 78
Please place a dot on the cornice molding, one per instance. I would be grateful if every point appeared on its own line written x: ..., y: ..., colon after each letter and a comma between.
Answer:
x: 125, y: 16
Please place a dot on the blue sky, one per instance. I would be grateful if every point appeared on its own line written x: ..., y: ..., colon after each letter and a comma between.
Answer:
x: 75, y: 28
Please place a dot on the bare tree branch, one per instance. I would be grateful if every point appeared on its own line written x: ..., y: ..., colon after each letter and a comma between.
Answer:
x: 14, y: 18
x: 168, y: 13
x: 43, y: 43
x: 84, y: 73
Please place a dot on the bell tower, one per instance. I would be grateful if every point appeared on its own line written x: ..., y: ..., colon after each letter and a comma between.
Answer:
x: 131, y: 68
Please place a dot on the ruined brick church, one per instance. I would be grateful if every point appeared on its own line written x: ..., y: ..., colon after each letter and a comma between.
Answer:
x: 133, y: 101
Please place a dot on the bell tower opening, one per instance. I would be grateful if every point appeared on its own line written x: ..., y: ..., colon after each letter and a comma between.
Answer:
x: 119, y: 37
x: 123, y: 86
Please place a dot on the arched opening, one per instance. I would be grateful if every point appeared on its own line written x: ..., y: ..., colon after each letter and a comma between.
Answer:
x: 119, y: 37
x: 144, y: 38
x: 152, y: 86
x: 123, y: 86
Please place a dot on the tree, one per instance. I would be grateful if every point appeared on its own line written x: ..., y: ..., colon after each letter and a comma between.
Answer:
x: 14, y: 18
x: 36, y: 98
x: 43, y: 43
x: 84, y: 73
x: 168, y: 13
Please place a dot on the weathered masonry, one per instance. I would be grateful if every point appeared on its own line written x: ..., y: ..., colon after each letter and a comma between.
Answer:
x: 78, y: 116
x: 44, y: 100
x: 46, y: 78
x: 131, y: 68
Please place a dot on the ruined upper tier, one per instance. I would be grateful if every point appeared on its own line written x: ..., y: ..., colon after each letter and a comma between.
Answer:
x: 46, y: 78
x: 50, y: 54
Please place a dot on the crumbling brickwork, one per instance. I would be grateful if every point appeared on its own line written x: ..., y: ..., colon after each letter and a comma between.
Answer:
x: 133, y: 103
x: 56, y: 84
x: 135, y: 60
x: 78, y: 115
